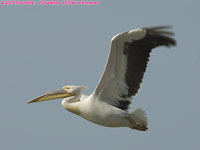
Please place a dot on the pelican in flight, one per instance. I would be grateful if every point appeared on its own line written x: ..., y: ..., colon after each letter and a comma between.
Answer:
x: 127, y: 62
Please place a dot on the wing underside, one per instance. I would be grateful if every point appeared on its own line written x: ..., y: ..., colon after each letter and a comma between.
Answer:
x: 127, y: 63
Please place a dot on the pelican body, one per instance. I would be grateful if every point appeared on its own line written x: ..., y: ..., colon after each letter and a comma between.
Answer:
x: 127, y: 61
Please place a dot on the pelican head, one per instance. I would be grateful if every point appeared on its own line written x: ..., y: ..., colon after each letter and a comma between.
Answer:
x: 64, y: 92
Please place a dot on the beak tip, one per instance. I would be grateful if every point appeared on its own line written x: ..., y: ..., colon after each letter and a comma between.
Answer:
x: 28, y: 102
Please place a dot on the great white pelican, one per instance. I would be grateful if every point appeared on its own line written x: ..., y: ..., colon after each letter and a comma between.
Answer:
x: 127, y: 62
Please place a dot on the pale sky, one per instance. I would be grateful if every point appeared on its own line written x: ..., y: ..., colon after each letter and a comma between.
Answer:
x: 43, y: 48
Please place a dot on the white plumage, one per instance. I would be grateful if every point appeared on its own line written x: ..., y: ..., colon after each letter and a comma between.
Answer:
x: 123, y: 74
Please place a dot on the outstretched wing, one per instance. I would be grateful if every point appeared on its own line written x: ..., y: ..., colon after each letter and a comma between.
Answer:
x: 127, y: 62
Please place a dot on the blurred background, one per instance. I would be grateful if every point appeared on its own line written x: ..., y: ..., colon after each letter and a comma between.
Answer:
x: 43, y: 48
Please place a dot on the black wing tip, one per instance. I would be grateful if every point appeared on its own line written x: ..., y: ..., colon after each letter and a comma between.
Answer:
x: 162, y: 34
x: 159, y: 28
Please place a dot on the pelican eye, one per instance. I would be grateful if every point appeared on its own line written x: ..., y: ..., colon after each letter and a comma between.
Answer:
x: 66, y: 88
